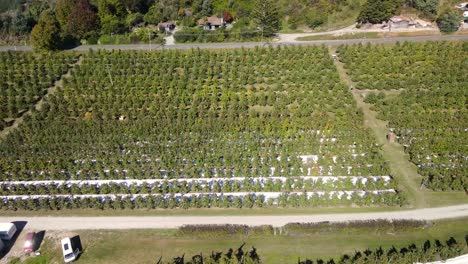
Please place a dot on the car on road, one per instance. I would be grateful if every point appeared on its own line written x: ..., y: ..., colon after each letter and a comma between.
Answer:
x: 29, y: 242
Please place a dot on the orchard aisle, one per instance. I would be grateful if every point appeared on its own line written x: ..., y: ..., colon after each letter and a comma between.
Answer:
x: 402, y: 169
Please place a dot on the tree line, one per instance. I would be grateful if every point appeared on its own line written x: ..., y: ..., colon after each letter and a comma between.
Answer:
x: 214, y: 185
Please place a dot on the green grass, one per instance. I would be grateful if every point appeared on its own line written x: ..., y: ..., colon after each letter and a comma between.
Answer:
x: 346, y: 17
x: 369, y: 35
x: 202, y: 211
x: 146, y: 246
x: 337, y: 37
x: 437, y: 199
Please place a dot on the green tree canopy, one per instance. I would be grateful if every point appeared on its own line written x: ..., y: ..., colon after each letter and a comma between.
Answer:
x: 449, y: 21
x: 63, y: 8
x: 46, y: 33
x: 266, y: 16
x: 376, y: 11
x: 19, y: 24
x: 112, y: 14
x: 427, y: 7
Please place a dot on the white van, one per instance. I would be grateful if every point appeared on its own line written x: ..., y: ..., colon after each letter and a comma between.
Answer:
x: 7, y: 230
x: 70, y: 251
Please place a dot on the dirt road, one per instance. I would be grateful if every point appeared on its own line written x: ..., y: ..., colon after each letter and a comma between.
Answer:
x: 288, y: 38
x: 146, y: 222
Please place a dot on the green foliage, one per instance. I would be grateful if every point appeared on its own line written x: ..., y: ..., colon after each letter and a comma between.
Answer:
x: 133, y: 20
x: 137, y: 6
x: 266, y: 16
x: 63, y: 8
x: 377, y: 226
x: 373, y: 98
x: 20, y: 24
x: 37, y: 260
x: 430, y: 114
x: 117, y: 39
x: 6, y: 5
x: 214, y: 231
x: 315, y: 18
x: 427, y: 7
x: 376, y: 11
x: 162, y: 11
x: 220, y: 35
x: 449, y: 21
x: 26, y: 78
x: 15, y: 260
x: 34, y: 11
x: 112, y: 16
x: 154, y: 15
x: 46, y: 33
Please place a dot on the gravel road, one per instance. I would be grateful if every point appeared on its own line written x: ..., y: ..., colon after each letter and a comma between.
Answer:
x: 157, y: 222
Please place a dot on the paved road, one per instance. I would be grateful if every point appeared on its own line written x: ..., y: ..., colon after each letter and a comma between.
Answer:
x: 145, y: 222
x: 252, y: 44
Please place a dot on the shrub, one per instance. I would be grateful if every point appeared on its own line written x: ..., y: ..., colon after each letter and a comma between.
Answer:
x: 449, y: 21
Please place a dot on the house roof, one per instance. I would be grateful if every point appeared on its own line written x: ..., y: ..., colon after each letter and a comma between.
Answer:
x: 166, y: 24
x: 214, y: 21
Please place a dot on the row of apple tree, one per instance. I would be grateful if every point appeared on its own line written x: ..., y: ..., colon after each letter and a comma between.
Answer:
x: 199, y: 201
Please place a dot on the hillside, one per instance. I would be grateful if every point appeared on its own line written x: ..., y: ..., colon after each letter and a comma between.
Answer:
x: 68, y: 23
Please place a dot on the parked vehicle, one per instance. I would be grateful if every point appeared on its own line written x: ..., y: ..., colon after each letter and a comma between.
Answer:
x: 7, y: 230
x: 29, y: 242
x: 70, y: 251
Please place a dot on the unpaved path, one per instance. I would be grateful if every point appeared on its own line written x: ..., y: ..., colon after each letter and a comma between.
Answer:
x: 401, y: 168
x: 158, y: 222
x: 288, y: 38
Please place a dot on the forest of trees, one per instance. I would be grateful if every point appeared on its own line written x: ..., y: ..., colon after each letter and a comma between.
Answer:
x: 62, y: 23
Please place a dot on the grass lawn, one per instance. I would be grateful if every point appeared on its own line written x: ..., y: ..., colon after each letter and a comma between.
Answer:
x: 371, y: 35
x: 338, y: 37
x: 146, y: 246
x: 202, y: 211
